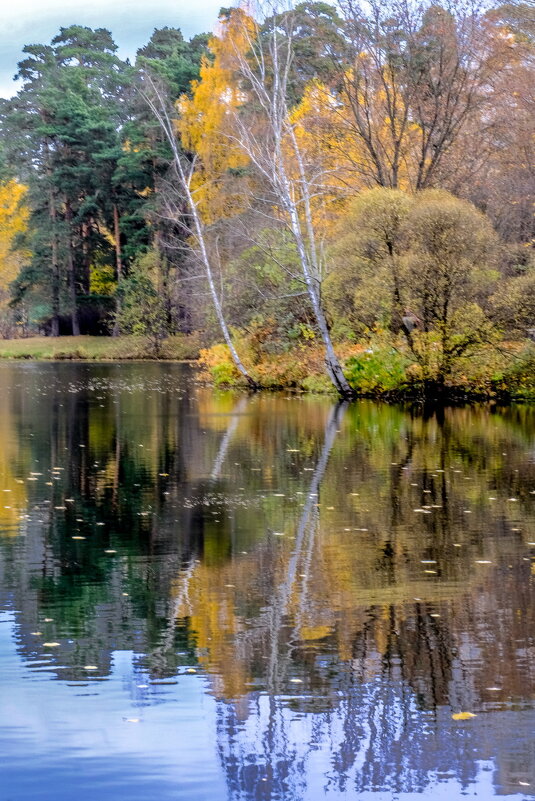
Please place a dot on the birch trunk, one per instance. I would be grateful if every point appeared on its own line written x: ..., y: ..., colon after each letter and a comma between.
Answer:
x: 277, y: 156
x: 159, y: 109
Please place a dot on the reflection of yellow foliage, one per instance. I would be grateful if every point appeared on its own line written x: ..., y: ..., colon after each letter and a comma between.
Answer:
x: 12, y: 493
x: 217, y: 627
x: 309, y: 633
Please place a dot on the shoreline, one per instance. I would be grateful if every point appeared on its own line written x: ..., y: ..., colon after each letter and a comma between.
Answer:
x: 187, y: 349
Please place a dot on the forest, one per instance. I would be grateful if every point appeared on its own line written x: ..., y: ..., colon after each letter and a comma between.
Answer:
x: 335, y: 198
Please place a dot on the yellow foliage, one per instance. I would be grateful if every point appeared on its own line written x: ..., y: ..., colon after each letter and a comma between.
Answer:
x: 13, y: 221
x: 102, y: 280
x: 205, y: 123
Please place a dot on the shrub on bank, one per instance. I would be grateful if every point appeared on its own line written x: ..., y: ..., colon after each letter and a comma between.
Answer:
x: 380, y: 368
x: 517, y: 381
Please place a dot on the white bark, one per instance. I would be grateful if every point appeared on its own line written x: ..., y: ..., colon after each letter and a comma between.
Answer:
x: 276, y: 154
x: 156, y: 101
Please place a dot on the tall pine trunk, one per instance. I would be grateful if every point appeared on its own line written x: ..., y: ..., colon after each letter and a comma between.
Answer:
x: 55, y: 267
x: 118, y: 265
x: 71, y: 271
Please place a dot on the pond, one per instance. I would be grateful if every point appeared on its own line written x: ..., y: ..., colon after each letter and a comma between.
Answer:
x: 211, y: 595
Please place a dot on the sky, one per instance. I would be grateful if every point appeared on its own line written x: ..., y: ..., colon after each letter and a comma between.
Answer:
x: 130, y: 21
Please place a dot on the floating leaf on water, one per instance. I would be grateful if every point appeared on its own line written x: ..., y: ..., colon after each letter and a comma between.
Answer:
x: 49, y: 619
x: 463, y: 715
x: 77, y: 538
x: 50, y: 644
x: 191, y: 670
x: 296, y: 681
x: 493, y: 689
x: 131, y: 720
x: 110, y: 550
x: 483, y: 562
x: 90, y: 667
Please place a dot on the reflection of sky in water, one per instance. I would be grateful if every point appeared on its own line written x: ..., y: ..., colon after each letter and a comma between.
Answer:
x: 50, y: 748
x: 342, y: 579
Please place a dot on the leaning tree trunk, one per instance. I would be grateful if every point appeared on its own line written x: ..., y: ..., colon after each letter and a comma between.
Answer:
x: 158, y: 108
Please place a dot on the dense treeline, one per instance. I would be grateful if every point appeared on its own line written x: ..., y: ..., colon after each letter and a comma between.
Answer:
x: 342, y: 195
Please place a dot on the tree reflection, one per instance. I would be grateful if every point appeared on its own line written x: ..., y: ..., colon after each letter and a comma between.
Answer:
x: 346, y: 575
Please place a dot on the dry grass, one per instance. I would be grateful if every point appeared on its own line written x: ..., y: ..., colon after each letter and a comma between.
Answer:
x: 177, y: 348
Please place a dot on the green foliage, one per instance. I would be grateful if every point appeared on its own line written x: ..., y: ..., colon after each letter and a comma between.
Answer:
x: 265, y: 295
x: 379, y: 370
x: 518, y: 378
x: 141, y: 309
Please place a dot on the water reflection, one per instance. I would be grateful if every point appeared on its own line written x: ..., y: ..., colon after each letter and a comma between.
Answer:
x: 342, y: 578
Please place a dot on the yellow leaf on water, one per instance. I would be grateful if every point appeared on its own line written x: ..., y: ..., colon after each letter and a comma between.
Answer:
x: 50, y: 644
x: 463, y: 715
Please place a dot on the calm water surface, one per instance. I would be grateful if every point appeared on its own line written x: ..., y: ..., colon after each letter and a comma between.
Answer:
x: 205, y: 595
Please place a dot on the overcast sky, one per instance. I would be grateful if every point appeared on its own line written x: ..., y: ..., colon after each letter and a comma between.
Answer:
x: 130, y: 21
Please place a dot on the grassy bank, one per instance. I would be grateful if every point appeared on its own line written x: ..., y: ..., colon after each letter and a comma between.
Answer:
x: 98, y: 348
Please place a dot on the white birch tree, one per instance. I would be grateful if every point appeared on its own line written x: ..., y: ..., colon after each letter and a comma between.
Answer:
x: 264, y: 130
x: 155, y: 96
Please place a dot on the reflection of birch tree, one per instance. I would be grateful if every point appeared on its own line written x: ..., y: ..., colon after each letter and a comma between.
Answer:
x: 304, y: 543
x: 229, y: 435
